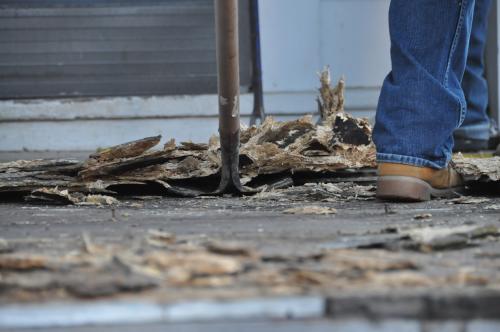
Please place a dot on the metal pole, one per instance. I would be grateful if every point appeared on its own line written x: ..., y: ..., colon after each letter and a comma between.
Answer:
x: 226, y: 18
x: 258, y: 95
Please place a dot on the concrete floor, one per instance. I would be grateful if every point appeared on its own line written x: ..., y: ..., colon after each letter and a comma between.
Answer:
x: 300, y: 326
x: 261, y: 224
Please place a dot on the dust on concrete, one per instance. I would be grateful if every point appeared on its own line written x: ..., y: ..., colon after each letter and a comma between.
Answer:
x: 203, y: 248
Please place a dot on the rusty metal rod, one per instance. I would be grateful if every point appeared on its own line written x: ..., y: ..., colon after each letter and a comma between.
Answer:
x: 226, y: 18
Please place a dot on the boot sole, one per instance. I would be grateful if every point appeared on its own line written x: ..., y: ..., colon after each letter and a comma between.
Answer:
x: 410, y: 189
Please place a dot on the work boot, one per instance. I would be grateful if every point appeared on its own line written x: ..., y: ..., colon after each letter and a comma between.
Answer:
x: 398, y: 182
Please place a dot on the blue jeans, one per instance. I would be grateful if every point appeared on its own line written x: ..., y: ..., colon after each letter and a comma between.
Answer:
x: 477, y: 123
x: 436, y: 84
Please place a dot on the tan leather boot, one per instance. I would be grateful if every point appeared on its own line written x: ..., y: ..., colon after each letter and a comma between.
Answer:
x: 398, y: 182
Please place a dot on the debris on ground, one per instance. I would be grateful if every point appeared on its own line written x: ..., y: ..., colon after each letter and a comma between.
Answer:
x: 99, y: 200
x: 423, y: 216
x: 160, y: 239
x: 478, y: 169
x: 431, y: 238
x: 297, y: 167
x: 5, y: 247
x: 178, y: 265
x: 434, y: 238
x: 324, y: 192
x: 20, y: 262
x: 444, y: 238
x: 274, y: 155
x: 230, y: 249
x: 470, y: 200
x: 493, y: 207
x: 312, y: 210
x: 52, y: 196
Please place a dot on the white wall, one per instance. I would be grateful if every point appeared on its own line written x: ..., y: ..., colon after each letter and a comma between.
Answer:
x: 300, y: 37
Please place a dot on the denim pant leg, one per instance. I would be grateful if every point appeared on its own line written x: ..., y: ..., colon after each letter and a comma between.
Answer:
x: 477, y: 123
x: 422, y: 101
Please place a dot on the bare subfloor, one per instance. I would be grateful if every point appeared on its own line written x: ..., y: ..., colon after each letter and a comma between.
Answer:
x: 363, y: 249
x: 333, y: 242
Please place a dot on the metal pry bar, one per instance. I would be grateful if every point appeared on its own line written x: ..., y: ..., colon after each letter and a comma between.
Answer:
x: 227, y: 36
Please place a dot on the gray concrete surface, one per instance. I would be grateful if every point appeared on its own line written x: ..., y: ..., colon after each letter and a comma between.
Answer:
x: 473, y: 306
x: 353, y: 325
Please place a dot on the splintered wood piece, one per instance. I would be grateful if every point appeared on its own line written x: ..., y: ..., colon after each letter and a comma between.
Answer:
x: 51, y: 196
x: 27, y: 182
x: 22, y: 262
x: 126, y: 150
x: 124, y: 165
x: 331, y: 99
x: 478, y: 169
x: 60, y: 166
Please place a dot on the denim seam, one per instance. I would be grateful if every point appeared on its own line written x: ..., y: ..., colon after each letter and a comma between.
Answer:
x: 455, y: 41
x: 463, y: 107
x: 410, y: 160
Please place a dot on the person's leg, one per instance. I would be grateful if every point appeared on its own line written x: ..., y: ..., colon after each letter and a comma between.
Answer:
x: 475, y: 130
x: 422, y: 101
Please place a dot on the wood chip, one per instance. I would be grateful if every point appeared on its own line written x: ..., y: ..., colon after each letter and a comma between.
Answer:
x: 100, y: 200
x: 22, y: 262
x: 194, y: 264
x: 373, y: 260
x: 424, y: 216
x: 470, y: 200
x: 441, y: 238
x: 311, y: 210
x: 402, y: 279
x: 230, y: 249
x: 160, y: 239
x: 52, y: 196
x: 127, y: 150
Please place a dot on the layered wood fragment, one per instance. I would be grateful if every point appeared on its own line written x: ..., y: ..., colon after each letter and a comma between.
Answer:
x: 478, y: 169
x: 127, y: 150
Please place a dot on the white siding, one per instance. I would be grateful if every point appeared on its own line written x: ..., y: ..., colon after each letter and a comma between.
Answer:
x: 300, y: 37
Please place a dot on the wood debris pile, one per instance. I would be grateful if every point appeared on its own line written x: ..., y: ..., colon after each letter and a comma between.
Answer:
x: 270, y: 153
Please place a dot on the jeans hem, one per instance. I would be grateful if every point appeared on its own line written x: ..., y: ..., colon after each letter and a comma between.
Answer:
x: 410, y: 160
